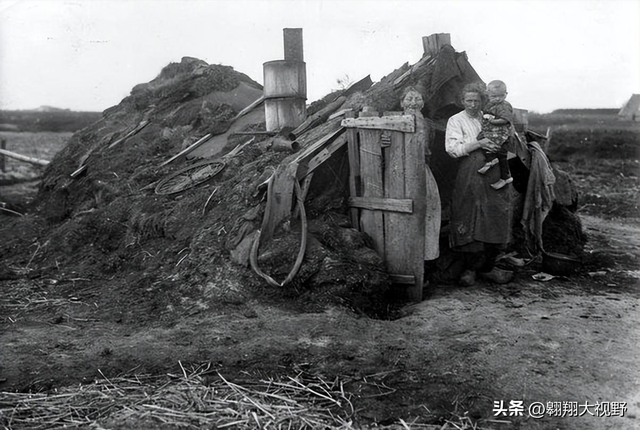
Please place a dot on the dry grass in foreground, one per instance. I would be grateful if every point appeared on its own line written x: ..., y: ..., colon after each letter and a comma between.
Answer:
x: 200, y: 399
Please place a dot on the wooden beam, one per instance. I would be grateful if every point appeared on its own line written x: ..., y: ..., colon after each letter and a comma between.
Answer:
x: 316, y: 147
x: 404, y: 123
x: 339, y: 113
x: 140, y: 126
x: 249, y: 108
x: 432, y: 44
x: 24, y: 158
x: 188, y: 149
x: 253, y: 133
x: 318, y: 117
x: 372, y: 185
x: 411, y: 70
x: 321, y: 157
x: 354, y: 172
x: 282, y: 194
x: 402, y: 279
x: 415, y: 182
x: 397, y: 226
x: 382, y: 204
x: 359, y: 86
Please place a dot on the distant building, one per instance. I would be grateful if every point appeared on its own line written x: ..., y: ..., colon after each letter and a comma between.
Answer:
x: 631, y: 109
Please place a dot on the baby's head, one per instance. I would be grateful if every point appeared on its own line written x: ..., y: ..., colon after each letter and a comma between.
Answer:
x: 497, y: 91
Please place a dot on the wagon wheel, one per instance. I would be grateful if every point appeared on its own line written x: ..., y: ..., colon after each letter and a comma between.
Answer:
x: 189, y: 177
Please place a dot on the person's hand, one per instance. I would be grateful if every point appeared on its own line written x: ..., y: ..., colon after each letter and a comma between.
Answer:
x: 488, y: 145
x: 488, y: 116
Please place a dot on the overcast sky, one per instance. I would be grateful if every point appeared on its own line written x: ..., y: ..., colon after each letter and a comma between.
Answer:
x: 89, y: 54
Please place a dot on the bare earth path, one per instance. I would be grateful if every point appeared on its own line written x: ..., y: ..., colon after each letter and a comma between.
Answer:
x: 454, y: 354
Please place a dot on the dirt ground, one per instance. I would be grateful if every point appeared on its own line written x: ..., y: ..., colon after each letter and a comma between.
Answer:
x: 443, y: 361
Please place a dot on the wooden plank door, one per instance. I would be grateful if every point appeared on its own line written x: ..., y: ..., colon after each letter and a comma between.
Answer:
x: 387, y: 186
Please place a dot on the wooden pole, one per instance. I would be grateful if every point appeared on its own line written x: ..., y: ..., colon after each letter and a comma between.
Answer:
x: 24, y: 158
x: 293, y: 50
x: 3, y: 146
x: 432, y: 44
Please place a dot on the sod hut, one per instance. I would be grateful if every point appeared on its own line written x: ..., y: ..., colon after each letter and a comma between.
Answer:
x: 183, y: 191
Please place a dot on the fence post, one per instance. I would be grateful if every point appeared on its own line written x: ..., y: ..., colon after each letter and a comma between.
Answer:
x: 3, y: 167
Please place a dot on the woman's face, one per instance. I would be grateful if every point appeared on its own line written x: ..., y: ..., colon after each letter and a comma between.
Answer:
x: 412, y: 100
x: 472, y: 103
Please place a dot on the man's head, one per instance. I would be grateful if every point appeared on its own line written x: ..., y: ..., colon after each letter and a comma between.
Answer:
x: 496, y: 91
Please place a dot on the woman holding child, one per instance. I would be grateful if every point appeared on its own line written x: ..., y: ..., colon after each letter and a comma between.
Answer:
x: 480, y: 224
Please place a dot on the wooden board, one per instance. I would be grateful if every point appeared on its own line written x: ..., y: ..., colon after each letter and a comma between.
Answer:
x: 322, y: 156
x: 414, y: 189
x: 354, y: 173
x: 402, y: 279
x: 188, y: 149
x: 372, y: 222
x: 382, y: 204
x: 310, y: 151
x: 317, y: 118
x: 282, y: 193
x: 397, y: 226
x: 405, y: 123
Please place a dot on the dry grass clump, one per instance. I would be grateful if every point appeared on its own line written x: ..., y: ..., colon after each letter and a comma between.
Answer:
x: 189, y: 401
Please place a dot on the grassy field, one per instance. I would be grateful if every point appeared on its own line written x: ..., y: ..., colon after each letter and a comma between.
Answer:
x: 38, y: 145
x: 602, y: 155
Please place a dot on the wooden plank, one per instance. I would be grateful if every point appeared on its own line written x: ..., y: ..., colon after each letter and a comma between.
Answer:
x: 282, y: 193
x: 354, y: 173
x: 341, y: 112
x: 415, y: 190
x: 432, y: 44
x: 359, y: 86
x: 371, y: 171
x: 140, y: 126
x: 396, y: 225
x: 24, y: 158
x: 382, y: 204
x: 78, y: 171
x: 404, y: 123
x: 310, y: 152
x: 321, y: 157
x: 188, y: 149
x: 397, y: 278
x: 318, y: 118
x: 411, y: 70
x: 249, y: 108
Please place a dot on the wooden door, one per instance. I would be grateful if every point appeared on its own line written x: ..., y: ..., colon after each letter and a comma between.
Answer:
x: 388, y: 198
